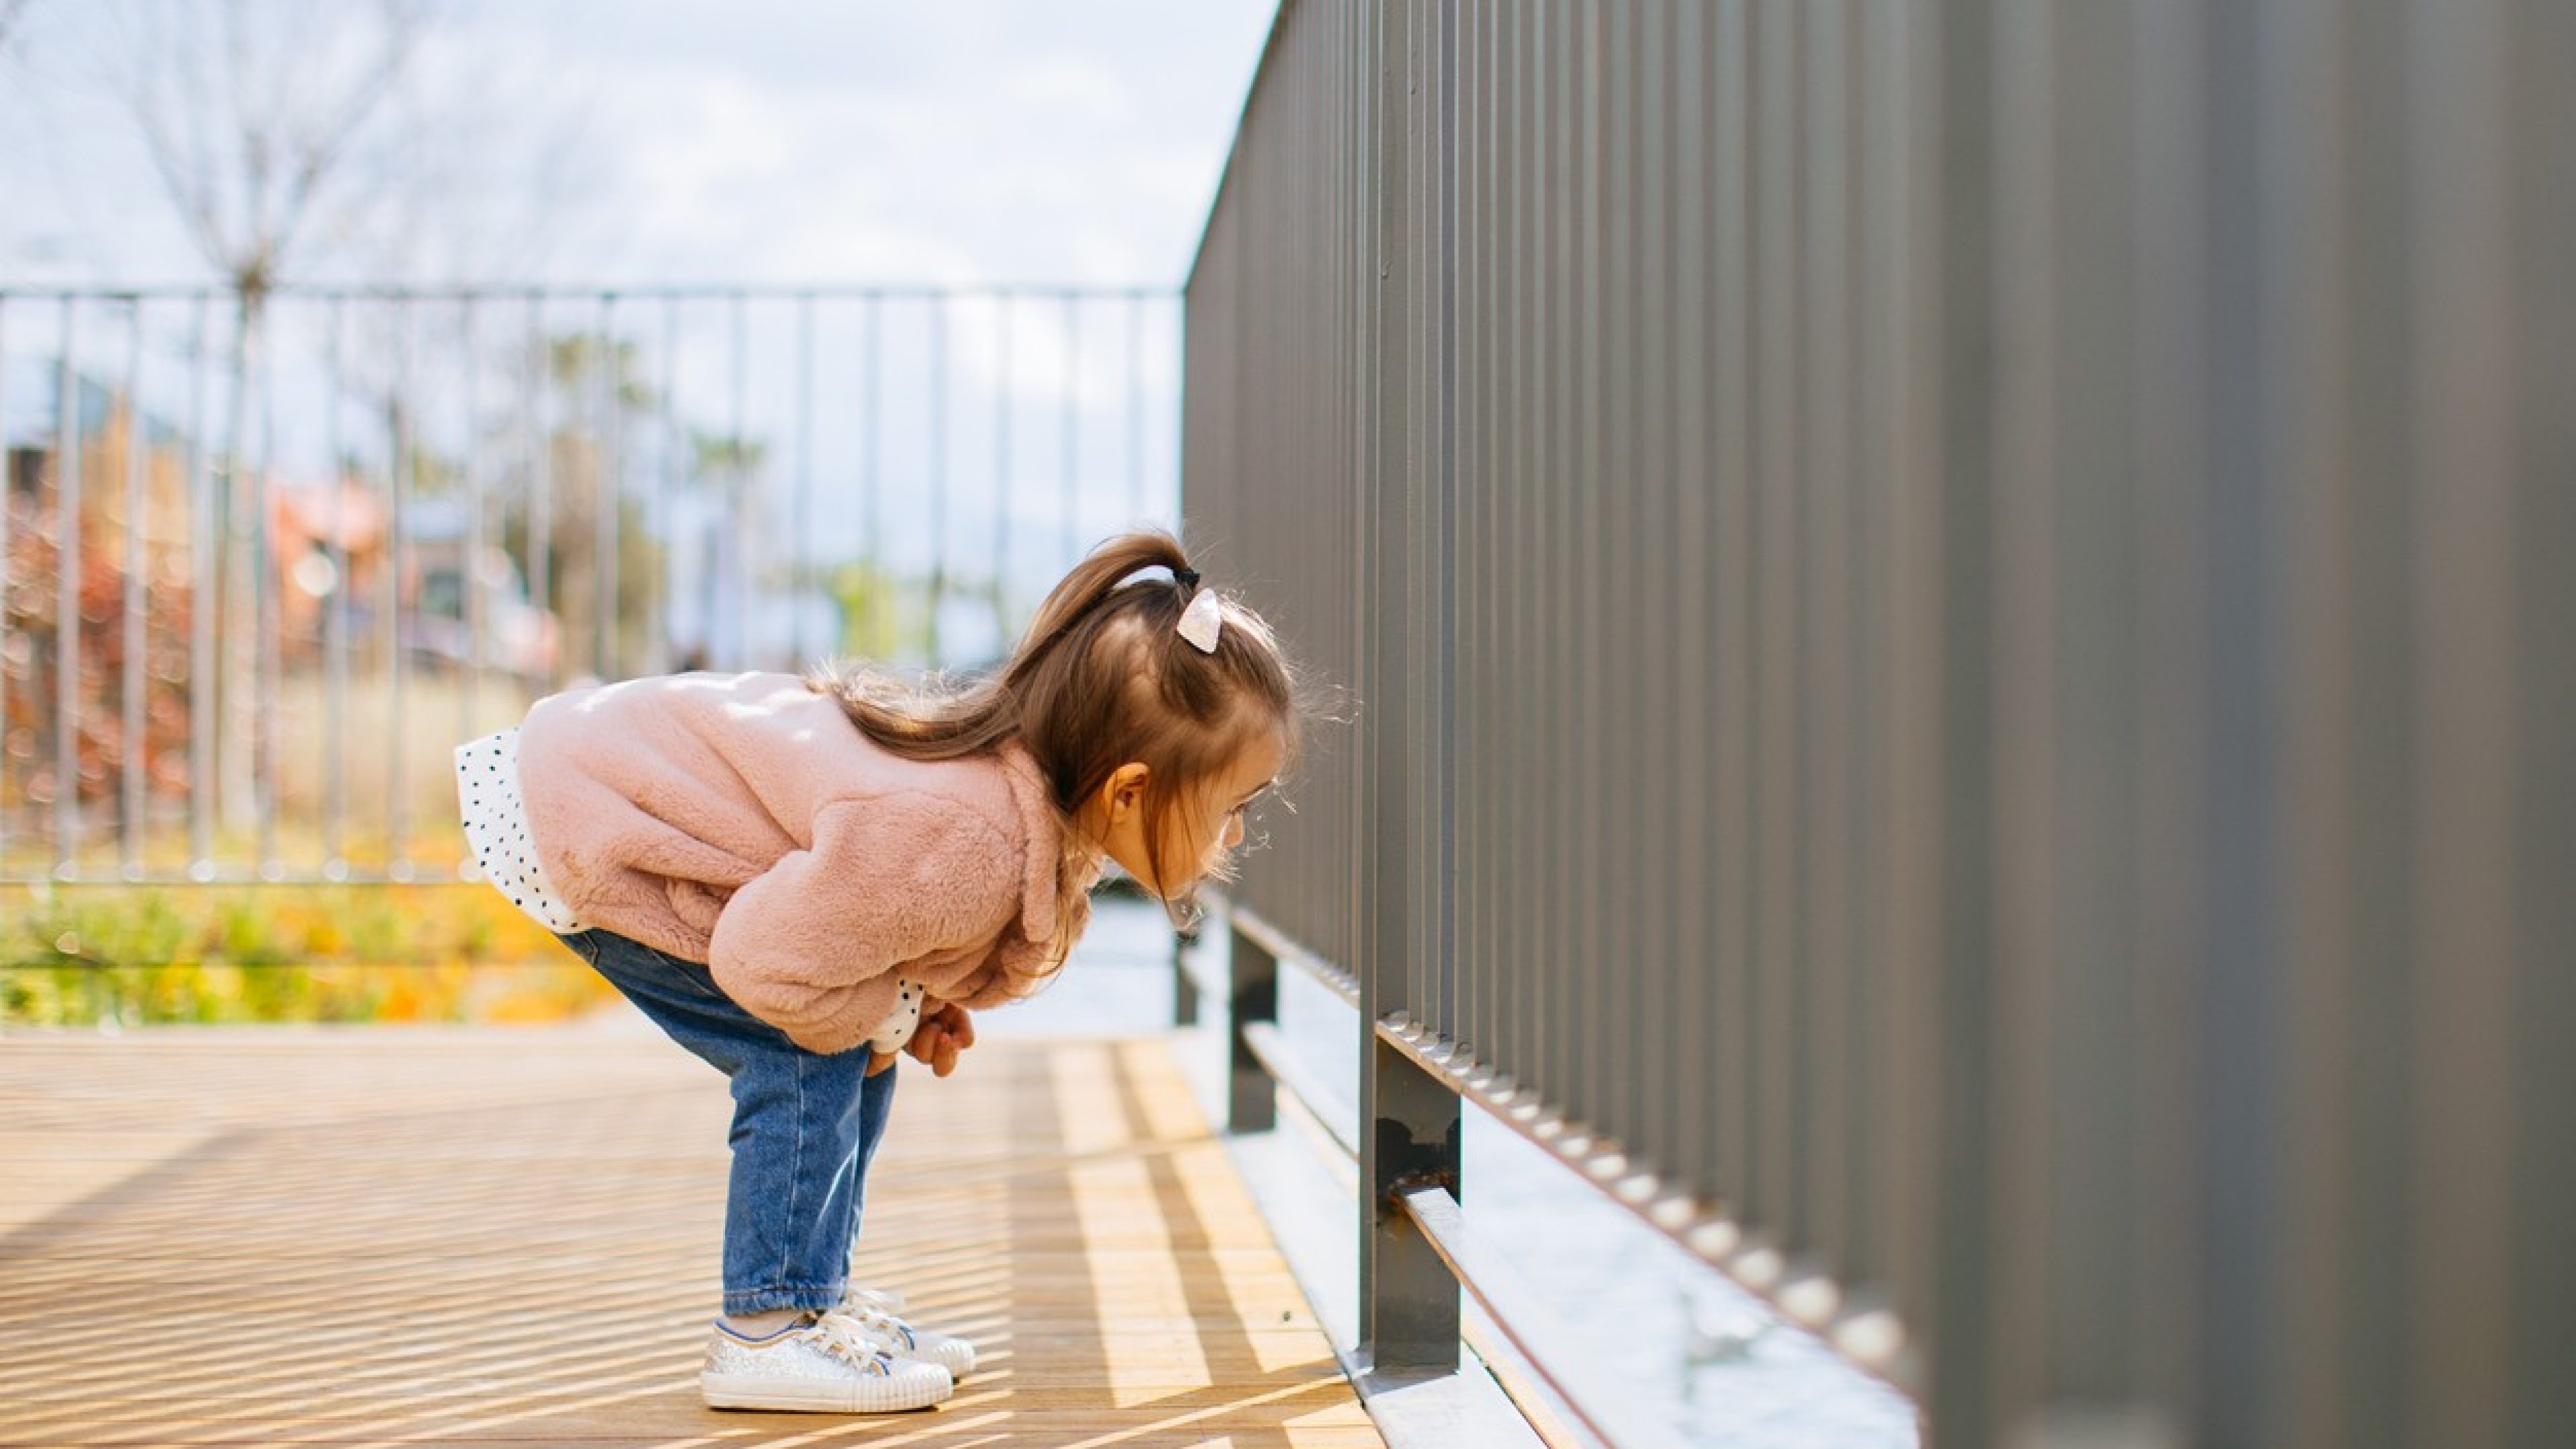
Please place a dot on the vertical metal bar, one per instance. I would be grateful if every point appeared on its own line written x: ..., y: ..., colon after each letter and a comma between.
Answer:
x: 1473, y: 598
x: 1521, y: 480
x: 872, y: 475
x: 1655, y: 532
x: 1610, y: 819
x: 1253, y: 976
x: 1690, y: 164
x: 1824, y: 317
x: 1884, y: 319
x: 2465, y: 129
x: 267, y: 663
x: 1002, y: 411
x: 1917, y: 618
x: 2533, y: 65
x: 335, y: 786
x: 1185, y: 991
x: 205, y: 561
x: 2173, y: 153
x: 397, y: 594
x: 801, y: 560
x: 1135, y: 410
x: 541, y: 479
x: 610, y: 398
x: 132, y: 766
x: 2240, y: 1016
x: 938, y: 471
x: 739, y: 522
x: 675, y: 475
x: 469, y: 669
x: 1953, y: 1255
x: 1408, y: 1308
x: 67, y: 640
x: 1732, y: 131
x: 1072, y: 428
x: 2324, y: 607
x: 1441, y: 619
x: 1582, y: 473
x: 1781, y: 759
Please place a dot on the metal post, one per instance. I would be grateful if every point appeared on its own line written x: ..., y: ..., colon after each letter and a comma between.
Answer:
x: 675, y: 464
x: 608, y: 491
x: 800, y: 564
x: 1252, y: 976
x: 267, y: 664
x: 335, y: 788
x: 1408, y: 1301
x: 469, y: 597
x: 397, y: 567
x: 1072, y: 428
x: 1185, y: 992
x: 67, y: 640
x: 1002, y: 463
x: 205, y: 559
x: 132, y: 768
x: 938, y: 472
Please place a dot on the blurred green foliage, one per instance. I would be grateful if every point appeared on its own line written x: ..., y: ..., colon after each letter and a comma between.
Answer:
x: 148, y: 955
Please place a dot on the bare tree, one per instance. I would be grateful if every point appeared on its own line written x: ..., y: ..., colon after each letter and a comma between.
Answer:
x: 254, y: 113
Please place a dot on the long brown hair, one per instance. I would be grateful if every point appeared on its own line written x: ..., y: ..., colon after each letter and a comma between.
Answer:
x: 1101, y: 677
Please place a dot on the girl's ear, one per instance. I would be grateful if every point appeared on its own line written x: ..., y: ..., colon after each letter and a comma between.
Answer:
x: 1124, y: 791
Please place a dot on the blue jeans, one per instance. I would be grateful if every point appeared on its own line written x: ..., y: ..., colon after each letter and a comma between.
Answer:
x: 804, y: 1128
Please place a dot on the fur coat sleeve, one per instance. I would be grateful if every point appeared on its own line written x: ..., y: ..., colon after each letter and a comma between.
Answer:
x: 812, y: 945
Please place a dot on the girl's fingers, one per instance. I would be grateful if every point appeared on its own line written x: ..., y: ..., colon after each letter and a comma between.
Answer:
x: 879, y: 1061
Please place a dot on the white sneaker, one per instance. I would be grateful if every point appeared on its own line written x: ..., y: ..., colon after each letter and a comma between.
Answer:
x: 873, y: 1313
x: 824, y: 1364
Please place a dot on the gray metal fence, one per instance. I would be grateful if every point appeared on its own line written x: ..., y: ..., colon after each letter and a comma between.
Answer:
x: 264, y: 567
x: 1963, y: 644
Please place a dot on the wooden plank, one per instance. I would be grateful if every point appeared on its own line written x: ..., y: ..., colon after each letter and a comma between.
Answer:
x: 386, y: 1237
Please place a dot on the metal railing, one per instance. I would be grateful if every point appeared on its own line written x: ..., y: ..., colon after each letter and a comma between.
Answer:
x: 1963, y: 666
x: 265, y: 565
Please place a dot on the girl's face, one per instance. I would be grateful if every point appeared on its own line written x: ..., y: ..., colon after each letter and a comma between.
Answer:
x: 1200, y: 827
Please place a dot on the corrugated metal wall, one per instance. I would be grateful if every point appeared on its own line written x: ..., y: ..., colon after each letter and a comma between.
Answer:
x: 1961, y: 623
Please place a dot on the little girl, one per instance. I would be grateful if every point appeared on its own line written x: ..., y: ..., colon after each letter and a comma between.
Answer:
x: 798, y: 879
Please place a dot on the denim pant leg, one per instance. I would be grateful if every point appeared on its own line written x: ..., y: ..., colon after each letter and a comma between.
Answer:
x: 804, y: 1128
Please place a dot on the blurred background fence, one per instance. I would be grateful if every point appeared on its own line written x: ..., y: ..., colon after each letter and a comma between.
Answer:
x: 1963, y: 641
x: 267, y: 563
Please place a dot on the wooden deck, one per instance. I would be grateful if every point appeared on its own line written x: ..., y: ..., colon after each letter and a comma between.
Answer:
x: 372, y: 1237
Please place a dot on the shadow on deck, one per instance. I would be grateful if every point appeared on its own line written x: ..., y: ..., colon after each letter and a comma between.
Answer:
x: 373, y: 1236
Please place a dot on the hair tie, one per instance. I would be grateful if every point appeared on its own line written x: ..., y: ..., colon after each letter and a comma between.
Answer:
x: 1186, y: 578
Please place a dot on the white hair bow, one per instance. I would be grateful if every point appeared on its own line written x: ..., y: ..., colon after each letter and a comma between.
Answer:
x: 1201, y: 621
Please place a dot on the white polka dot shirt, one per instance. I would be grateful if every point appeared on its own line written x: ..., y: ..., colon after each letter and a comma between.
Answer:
x: 496, y: 825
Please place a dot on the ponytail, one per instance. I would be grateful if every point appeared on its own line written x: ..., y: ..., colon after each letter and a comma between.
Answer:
x: 934, y: 723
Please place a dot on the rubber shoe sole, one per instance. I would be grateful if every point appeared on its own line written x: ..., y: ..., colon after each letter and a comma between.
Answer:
x: 915, y: 1384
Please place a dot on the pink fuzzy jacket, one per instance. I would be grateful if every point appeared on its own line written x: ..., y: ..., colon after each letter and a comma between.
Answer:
x: 743, y: 821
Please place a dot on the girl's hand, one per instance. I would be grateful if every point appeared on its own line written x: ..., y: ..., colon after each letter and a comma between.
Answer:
x: 943, y: 1033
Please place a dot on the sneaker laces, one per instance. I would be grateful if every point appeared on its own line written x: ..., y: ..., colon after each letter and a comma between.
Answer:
x: 868, y: 1315
x: 846, y: 1338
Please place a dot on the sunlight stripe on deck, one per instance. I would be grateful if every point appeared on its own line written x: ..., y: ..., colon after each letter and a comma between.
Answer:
x: 391, y: 1236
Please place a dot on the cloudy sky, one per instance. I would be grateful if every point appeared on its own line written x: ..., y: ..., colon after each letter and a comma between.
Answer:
x: 665, y: 140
